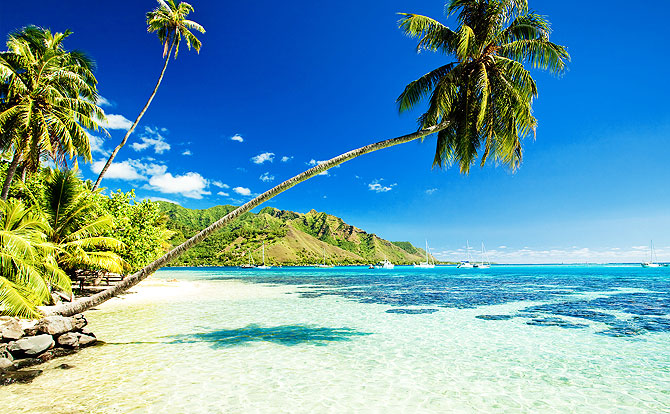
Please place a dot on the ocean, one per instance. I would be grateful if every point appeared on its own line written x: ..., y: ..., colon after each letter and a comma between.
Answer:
x: 524, y: 339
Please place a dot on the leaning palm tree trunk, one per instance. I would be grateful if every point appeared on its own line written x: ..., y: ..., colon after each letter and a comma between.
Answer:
x: 79, y: 306
x: 137, y: 121
x: 10, y: 174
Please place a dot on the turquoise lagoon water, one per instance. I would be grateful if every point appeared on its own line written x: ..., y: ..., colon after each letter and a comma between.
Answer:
x: 507, y: 339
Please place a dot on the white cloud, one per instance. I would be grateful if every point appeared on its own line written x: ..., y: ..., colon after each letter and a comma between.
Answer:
x: 191, y: 184
x: 96, y: 144
x: 266, y: 177
x: 152, y: 198
x: 286, y: 158
x: 128, y: 170
x: 430, y: 191
x: 102, y: 101
x: 187, y: 152
x: 242, y: 191
x: 152, y: 138
x: 261, y: 158
x: 115, y: 121
x: 224, y: 194
x: 377, y: 187
x: 220, y: 184
x: 237, y: 137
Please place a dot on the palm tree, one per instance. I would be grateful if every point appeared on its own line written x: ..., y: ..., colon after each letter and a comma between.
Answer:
x: 76, y: 228
x: 461, y: 103
x: 169, y: 23
x: 486, y: 93
x: 28, y: 271
x: 49, y: 96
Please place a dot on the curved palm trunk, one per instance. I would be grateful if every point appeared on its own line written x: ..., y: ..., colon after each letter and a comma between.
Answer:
x: 10, y: 174
x: 73, y: 308
x: 132, y: 128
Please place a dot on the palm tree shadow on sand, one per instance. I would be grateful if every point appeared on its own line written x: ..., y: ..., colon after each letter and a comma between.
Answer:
x: 287, y: 335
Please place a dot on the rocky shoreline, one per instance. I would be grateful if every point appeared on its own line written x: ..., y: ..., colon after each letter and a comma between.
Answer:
x: 27, y: 343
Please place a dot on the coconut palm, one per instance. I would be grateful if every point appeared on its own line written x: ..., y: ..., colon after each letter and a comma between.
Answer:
x: 485, y: 94
x: 461, y: 103
x: 49, y: 100
x: 169, y: 23
x: 75, y: 226
x: 28, y: 271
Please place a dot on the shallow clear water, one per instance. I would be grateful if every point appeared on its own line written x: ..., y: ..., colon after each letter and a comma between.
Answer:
x: 505, y: 339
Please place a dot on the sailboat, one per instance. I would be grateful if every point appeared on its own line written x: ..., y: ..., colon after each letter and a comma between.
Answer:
x: 324, y: 265
x: 251, y: 264
x: 466, y: 263
x: 428, y: 264
x: 483, y: 264
x: 651, y: 262
x: 263, y: 266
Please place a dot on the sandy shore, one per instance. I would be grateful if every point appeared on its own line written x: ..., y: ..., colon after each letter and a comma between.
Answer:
x: 155, y: 290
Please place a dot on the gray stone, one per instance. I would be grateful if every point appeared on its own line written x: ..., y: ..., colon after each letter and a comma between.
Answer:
x: 79, y: 321
x: 85, y: 340
x: 26, y: 362
x: 11, y: 330
x: 54, y: 353
x: 55, y: 325
x: 70, y: 339
x: 75, y: 339
x: 5, y: 363
x: 88, y: 332
x: 4, y: 352
x: 32, y: 345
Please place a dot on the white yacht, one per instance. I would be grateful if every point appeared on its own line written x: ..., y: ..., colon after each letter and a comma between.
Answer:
x: 428, y: 264
x: 324, y: 265
x: 466, y: 264
x: 385, y: 264
x: 486, y: 262
x: 251, y: 264
x: 263, y: 266
x: 651, y: 262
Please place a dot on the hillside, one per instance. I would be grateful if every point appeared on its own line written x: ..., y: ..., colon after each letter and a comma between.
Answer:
x: 290, y: 239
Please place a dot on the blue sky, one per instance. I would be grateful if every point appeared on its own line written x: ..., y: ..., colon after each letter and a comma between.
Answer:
x: 278, y: 85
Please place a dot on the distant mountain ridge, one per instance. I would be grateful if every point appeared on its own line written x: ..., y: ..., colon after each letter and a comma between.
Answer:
x: 290, y: 239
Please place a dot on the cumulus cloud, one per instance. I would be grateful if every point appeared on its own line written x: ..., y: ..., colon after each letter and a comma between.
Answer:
x: 102, y: 101
x: 237, y: 137
x: 223, y: 194
x: 286, y: 158
x: 115, y: 121
x: 264, y: 157
x: 377, y: 187
x: 266, y: 177
x: 430, y: 191
x: 128, y: 170
x: 187, y: 152
x: 220, y: 184
x: 191, y: 184
x: 152, y: 139
x: 96, y: 144
x: 242, y: 191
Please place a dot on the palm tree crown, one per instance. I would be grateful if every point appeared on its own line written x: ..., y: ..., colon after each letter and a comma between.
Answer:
x: 486, y: 93
x: 169, y: 23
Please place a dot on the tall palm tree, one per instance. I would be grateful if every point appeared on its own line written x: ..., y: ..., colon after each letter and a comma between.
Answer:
x: 169, y: 23
x: 76, y: 228
x: 49, y: 96
x: 28, y: 271
x: 500, y: 108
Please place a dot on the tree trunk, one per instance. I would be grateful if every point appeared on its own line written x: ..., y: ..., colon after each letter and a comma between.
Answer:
x: 81, y: 305
x: 10, y: 174
x: 137, y: 120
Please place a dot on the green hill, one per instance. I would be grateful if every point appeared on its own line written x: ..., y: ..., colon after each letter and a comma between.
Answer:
x: 290, y: 239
